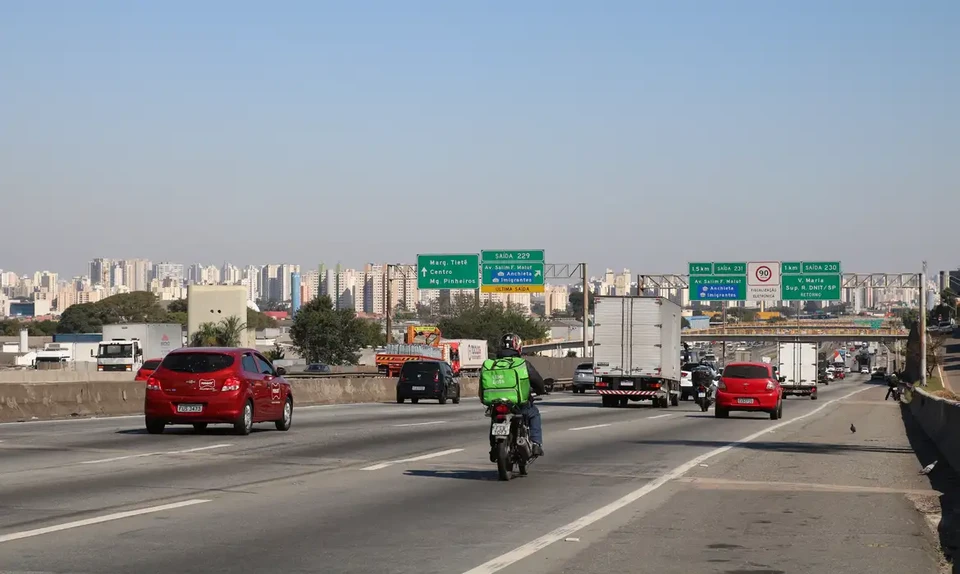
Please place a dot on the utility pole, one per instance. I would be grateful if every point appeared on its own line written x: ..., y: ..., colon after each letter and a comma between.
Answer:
x: 923, y: 325
x: 586, y: 308
x: 388, y: 297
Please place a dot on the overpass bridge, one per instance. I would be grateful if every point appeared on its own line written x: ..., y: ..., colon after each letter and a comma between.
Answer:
x: 765, y: 333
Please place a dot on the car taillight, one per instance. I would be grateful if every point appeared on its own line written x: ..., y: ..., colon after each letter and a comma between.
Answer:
x: 771, y: 385
x: 153, y: 384
x: 436, y: 377
x: 721, y: 385
x: 231, y: 384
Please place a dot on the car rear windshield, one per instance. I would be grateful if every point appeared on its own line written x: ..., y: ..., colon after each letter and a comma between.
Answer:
x: 413, y: 367
x: 689, y: 366
x: 197, y: 362
x: 746, y: 372
x: 585, y: 367
x: 151, y: 365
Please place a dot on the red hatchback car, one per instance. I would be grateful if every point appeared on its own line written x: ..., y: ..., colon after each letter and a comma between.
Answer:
x: 209, y: 385
x: 147, y: 369
x: 749, y: 387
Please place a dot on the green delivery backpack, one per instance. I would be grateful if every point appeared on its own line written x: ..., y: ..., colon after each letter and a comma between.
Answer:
x: 505, y: 379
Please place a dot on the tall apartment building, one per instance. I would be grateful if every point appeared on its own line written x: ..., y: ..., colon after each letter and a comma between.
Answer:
x: 310, y: 281
x: 230, y: 274
x: 284, y: 277
x: 99, y: 271
x: 172, y: 271
x: 270, y: 283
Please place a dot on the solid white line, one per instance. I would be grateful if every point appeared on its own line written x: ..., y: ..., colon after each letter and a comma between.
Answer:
x: 98, y: 520
x: 129, y: 456
x: 383, y: 465
x: 199, y: 448
x: 534, y: 546
x: 421, y: 424
x: 591, y: 427
x: 660, y: 416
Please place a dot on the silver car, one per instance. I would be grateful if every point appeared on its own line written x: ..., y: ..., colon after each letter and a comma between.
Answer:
x: 583, y: 378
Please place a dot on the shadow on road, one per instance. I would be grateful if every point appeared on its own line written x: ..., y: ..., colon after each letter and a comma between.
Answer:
x: 183, y: 430
x: 943, y: 479
x: 951, y: 361
x: 771, y: 446
x: 461, y: 474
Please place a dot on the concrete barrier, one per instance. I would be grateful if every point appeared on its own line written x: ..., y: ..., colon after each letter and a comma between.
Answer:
x: 940, y: 420
x: 33, y: 376
x: 56, y: 400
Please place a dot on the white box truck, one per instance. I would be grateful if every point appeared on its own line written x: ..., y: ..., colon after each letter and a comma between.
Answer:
x: 797, y: 368
x: 636, y: 353
x: 126, y: 346
x: 471, y: 353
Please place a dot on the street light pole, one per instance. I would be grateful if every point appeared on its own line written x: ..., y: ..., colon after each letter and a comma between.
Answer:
x: 389, y: 304
x: 923, y: 325
x: 586, y: 308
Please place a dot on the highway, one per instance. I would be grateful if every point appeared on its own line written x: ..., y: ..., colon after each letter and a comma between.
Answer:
x: 409, y: 489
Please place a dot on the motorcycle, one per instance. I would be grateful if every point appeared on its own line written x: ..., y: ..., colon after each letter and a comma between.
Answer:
x: 705, y: 394
x: 510, y: 437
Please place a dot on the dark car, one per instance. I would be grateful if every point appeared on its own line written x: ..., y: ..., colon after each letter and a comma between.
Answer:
x: 317, y: 368
x: 209, y: 385
x: 427, y: 380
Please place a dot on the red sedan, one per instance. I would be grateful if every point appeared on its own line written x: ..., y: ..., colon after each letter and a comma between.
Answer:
x: 209, y: 385
x: 749, y: 387
x: 147, y: 369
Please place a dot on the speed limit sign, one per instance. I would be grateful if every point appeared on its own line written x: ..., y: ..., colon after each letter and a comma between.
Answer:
x: 763, y: 273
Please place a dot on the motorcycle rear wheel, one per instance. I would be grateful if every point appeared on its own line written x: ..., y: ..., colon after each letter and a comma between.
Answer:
x: 504, y: 466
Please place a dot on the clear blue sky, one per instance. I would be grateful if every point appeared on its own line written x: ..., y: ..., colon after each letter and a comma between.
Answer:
x: 628, y: 134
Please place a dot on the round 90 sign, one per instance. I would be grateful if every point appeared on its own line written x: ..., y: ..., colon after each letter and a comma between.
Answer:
x: 763, y: 274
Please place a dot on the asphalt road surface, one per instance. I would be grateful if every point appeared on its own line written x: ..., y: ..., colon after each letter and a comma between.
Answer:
x: 409, y: 489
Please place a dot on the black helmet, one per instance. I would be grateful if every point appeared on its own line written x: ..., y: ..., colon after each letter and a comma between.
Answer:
x: 511, y: 341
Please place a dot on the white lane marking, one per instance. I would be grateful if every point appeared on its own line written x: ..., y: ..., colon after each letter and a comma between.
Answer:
x: 141, y: 455
x: 549, y: 538
x: 660, y: 416
x: 591, y: 427
x: 98, y: 520
x: 414, y: 459
x: 421, y: 424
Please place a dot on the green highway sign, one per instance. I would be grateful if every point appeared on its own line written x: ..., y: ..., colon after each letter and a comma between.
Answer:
x: 526, y: 255
x: 789, y: 267
x: 712, y: 288
x: 701, y: 269
x: 512, y: 277
x: 821, y: 267
x: 729, y: 268
x: 460, y: 271
x: 811, y: 287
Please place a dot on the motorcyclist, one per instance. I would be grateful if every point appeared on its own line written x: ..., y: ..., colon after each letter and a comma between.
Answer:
x: 511, y: 346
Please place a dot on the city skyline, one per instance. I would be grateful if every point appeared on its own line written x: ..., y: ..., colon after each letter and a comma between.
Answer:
x: 621, y: 137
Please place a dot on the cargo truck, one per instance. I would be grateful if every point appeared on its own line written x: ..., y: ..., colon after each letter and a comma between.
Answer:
x: 125, y: 347
x: 470, y: 353
x: 797, y: 368
x: 636, y: 353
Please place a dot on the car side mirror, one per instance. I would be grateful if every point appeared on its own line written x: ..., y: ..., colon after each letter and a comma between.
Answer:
x: 281, y: 371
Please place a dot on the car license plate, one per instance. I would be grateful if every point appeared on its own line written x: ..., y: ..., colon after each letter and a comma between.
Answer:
x: 626, y: 383
x: 745, y: 401
x: 500, y: 429
x: 701, y: 395
x: 418, y: 388
x: 189, y: 408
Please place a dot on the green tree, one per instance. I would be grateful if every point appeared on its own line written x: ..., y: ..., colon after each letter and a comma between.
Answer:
x: 177, y: 306
x: 178, y: 317
x: 227, y: 333
x: 372, y: 334
x: 322, y: 334
x: 575, y: 302
x: 490, y: 321
x: 275, y: 354
x: 257, y: 320
x: 136, y: 307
